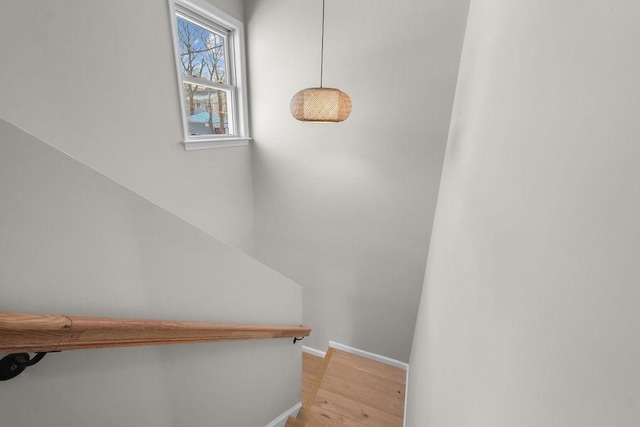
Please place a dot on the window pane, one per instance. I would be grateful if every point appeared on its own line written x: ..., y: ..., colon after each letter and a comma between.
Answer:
x: 206, y: 110
x: 202, y: 52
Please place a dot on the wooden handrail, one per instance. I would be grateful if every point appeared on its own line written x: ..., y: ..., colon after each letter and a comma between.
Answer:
x: 30, y: 333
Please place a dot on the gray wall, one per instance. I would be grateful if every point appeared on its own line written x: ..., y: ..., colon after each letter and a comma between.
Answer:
x: 74, y: 242
x: 345, y: 210
x: 529, y: 315
x: 98, y: 80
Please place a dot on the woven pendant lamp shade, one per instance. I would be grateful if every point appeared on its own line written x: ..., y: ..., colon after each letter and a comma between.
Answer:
x: 321, y: 104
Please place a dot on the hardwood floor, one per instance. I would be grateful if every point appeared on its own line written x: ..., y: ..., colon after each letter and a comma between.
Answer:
x: 348, y: 390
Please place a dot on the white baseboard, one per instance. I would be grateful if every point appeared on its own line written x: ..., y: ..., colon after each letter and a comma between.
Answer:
x: 314, y: 351
x: 368, y: 355
x: 281, y: 421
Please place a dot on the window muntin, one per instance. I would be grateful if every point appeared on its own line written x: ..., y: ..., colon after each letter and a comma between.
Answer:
x: 209, y: 58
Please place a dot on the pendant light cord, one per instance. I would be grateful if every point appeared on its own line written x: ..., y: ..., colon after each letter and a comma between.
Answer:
x: 322, y: 46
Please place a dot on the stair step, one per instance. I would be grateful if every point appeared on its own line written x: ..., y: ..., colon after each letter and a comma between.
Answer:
x: 294, y: 422
x: 368, y: 365
x: 313, y: 418
x: 307, y: 401
x: 364, y: 387
x: 351, y: 391
x: 352, y: 412
x: 310, y: 366
x: 311, y: 363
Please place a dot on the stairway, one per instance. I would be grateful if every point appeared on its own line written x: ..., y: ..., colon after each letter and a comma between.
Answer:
x: 348, y: 390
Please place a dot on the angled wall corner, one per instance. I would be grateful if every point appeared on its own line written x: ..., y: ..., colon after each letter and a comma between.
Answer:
x: 345, y: 209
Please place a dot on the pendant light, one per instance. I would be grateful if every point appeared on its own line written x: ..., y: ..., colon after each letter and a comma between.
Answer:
x: 321, y: 104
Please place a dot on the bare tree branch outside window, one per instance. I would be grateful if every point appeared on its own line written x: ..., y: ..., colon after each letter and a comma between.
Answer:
x: 202, y: 55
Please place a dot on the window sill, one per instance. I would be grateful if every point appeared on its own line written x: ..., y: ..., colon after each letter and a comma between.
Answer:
x: 206, y: 144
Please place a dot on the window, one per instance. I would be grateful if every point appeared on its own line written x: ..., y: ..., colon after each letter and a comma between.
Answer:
x: 210, y: 59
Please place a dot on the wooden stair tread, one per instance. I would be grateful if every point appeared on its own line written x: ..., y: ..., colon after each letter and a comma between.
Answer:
x: 353, y: 413
x: 310, y: 366
x: 308, y: 381
x: 294, y: 422
x: 364, y: 387
x: 371, y: 366
x: 312, y: 417
x: 311, y: 363
x: 313, y: 390
x: 345, y: 390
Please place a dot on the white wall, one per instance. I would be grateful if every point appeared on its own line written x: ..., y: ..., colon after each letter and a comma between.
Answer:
x: 529, y: 315
x: 345, y: 209
x: 74, y: 242
x: 234, y: 8
x: 98, y: 81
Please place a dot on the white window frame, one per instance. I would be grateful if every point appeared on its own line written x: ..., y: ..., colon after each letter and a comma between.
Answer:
x: 237, y: 76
